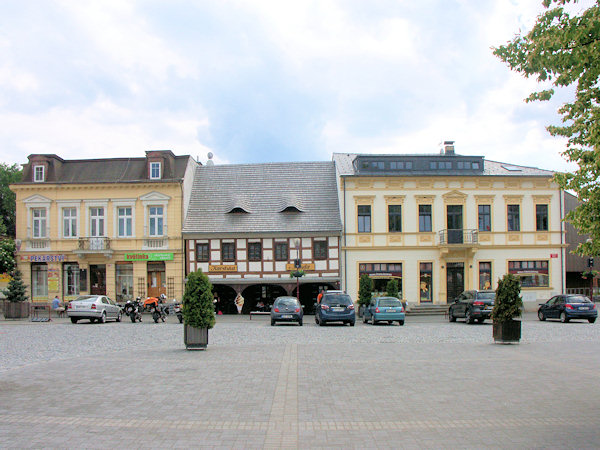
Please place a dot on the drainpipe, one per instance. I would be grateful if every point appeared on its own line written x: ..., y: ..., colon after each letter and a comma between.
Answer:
x: 344, y: 288
x: 562, y: 249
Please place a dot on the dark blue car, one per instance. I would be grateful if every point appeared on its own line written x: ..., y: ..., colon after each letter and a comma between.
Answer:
x: 335, y: 307
x: 568, y: 307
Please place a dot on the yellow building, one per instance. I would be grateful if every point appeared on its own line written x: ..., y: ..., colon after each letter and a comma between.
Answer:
x: 103, y: 226
x: 444, y: 223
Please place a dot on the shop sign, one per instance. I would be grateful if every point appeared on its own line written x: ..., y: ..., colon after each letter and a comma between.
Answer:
x: 553, y: 255
x: 213, y: 269
x: 53, y: 277
x: 292, y: 267
x: 148, y: 256
x: 43, y: 258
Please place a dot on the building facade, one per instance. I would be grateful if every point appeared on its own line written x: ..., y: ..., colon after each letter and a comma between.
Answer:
x: 103, y: 226
x: 444, y: 223
x: 250, y: 226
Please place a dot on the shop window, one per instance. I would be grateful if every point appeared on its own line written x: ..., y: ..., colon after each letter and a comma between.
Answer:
x: 156, y: 220
x: 254, y: 251
x: 320, y: 249
x: 425, y: 281
x: 395, y: 218
x: 71, y: 281
x: 381, y: 274
x: 39, y: 281
x: 364, y: 218
x: 531, y: 274
x: 485, y: 218
x: 202, y: 252
x: 281, y: 251
x: 228, y: 251
x: 425, y: 218
x: 513, y: 217
x: 485, y: 275
x: 541, y: 217
x: 39, y: 222
x: 124, y: 280
x: 125, y: 221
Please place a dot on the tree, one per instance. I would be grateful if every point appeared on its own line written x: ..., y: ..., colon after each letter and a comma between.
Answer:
x: 365, y: 288
x: 392, y: 288
x: 16, y: 289
x: 563, y: 50
x: 508, y: 303
x: 198, y: 309
x: 8, y: 175
x: 7, y: 255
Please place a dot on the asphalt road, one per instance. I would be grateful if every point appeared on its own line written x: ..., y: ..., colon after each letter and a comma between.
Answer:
x: 427, y: 384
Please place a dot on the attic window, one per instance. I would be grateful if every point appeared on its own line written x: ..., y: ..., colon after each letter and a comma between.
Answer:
x: 155, y: 171
x: 238, y: 210
x: 291, y: 209
x: 511, y: 168
x: 38, y: 173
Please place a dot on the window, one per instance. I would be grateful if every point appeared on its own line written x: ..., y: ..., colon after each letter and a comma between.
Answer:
x: 70, y: 279
x: 530, y: 273
x: 364, y: 218
x: 424, y: 218
x: 96, y: 222
x: 125, y: 221
x: 39, y: 281
x: 485, y: 218
x: 124, y: 279
x: 395, y: 218
x: 281, y: 251
x: 202, y: 252
x: 254, y: 251
x: 425, y: 281
x: 155, y: 171
x: 38, y: 173
x: 69, y: 222
x: 39, y: 222
x: 541, y: 217
x: 156, y: 220
x: 485, y: 275
x: 513, y: 221
x: 228, y: 251
x: 320, y: 249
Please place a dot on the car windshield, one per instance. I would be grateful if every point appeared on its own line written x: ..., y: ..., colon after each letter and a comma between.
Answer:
x: 393, y: 302
x: 577, y: 299
x: 486, y: 295
x: 336, y: 299
x: 286, y: 302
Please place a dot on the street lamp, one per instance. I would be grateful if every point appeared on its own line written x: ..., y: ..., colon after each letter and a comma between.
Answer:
x: 590, y: 264
x: 298, y: 264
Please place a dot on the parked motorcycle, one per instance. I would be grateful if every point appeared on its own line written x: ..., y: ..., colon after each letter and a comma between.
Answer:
x: 158, y: 310
x: 132, y: 309
x: 178, y: 312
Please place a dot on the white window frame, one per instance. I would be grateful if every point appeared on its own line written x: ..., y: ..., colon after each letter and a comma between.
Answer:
x: 69, y: 221
x: 69, y: 204
x: 43, y: 221
x: 153, y: 199
x: 158, y: 167
x: 42, y: 173
x: 126, y: 219
x: 152, y: 232
x: 88, y: 217
x: 36, y: 202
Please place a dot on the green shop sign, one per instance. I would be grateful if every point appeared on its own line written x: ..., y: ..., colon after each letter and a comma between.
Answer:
x: 148, y: 256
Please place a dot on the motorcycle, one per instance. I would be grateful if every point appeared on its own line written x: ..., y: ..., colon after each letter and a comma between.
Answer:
x: 132, y: 309
x: 158, y: 310
x: 178, y: 312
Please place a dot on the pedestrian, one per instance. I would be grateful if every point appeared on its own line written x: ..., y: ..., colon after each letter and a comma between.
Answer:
x: 56, y: 306
x: 239, y: 303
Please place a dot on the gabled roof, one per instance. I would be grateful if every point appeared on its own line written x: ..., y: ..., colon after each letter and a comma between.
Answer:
x: 277, y: 198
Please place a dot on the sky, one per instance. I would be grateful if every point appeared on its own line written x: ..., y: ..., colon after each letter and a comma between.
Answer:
x: 268, y: 80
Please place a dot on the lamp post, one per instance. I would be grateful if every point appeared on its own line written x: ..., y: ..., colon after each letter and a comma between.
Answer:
x: 590, y: 264
x: 298, y: 264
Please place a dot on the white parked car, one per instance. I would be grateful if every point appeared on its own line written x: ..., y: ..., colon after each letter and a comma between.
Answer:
x: 95, y: 308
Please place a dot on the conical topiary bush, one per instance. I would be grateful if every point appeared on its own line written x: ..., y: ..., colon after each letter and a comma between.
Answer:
x: 198, y: 311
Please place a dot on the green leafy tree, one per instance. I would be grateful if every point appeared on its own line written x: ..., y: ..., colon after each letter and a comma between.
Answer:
x: 8, y: 174
x: 16, y: 291
x: 508, y: 303
x: 198, y: 309
x: 7, y: 256
x: 563, y: 49
x: 365, y: 288
x: 392, y: 288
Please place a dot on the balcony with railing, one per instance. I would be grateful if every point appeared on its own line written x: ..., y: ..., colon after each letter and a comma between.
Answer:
x: 459, y: 237
x: 37, y: 244
x: 93, y: 245
x: 155, y: 243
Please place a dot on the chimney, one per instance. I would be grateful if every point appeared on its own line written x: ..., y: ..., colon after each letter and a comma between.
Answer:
x: 447, y: 148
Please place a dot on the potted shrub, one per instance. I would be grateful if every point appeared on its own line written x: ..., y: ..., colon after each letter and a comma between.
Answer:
x: 198, y: 311
x: 16, y: 305
x: 365, y: 289
x: 507, y: 306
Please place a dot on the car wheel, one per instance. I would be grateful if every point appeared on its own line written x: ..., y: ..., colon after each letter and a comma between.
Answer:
x: 316, y: 320
x: 401, y: 322
x: 300, y: 322
x: 373, y: 321
x: 352, y: 323
x: 321, y: 323
x: 563, y: 317
x: 365, y: 320
x: 592, y: 320
x: 92, y: 320
x: 119, y: 317
x: 74, y: 319
x: 481, y: 320
x: 102, y: 317
x: 541, y: 316
x: 451, y: 317
x: 468, y: 318
x: 272, y: 323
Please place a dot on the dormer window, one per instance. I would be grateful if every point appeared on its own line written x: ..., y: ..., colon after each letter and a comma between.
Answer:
x: 238, y: 210
x: 291, y: 209
x: 38, y: 174
x: 155, y: 171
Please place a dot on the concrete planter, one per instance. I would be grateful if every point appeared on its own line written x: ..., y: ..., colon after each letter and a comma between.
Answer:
x: 508, y: 332
x: 195, y: 338
x: 16, y: 310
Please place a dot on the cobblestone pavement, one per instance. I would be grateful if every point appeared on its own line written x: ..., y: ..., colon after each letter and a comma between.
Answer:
x: 428, y: 384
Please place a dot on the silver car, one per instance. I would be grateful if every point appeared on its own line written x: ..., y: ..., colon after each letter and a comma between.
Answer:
x: 95, y: 308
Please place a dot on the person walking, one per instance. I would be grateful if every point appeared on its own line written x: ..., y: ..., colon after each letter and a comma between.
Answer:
x: 239, y: 303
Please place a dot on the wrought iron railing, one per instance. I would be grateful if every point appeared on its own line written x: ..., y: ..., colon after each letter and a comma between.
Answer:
x: 459, y: 236
x: 94, y: 243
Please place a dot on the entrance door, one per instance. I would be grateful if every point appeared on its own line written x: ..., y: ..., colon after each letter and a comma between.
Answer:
x: 455, y: 280
x: 454, y: 221
x: 157, y: 281
x: 98, y: 279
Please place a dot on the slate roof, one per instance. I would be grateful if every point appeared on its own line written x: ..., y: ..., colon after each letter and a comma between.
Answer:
x: 344, y: 164
x: 269, y: 194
